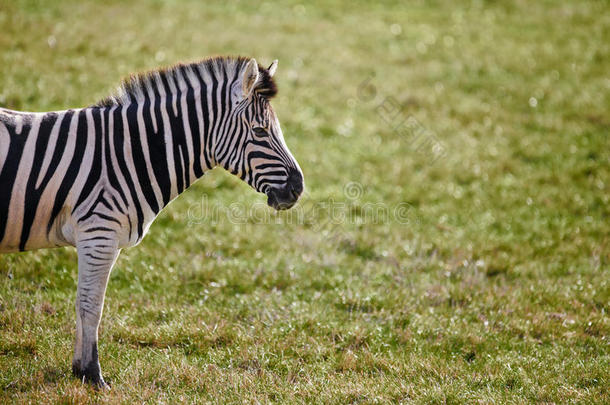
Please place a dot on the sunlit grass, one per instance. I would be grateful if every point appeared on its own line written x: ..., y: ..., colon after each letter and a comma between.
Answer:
x: 492, y: 286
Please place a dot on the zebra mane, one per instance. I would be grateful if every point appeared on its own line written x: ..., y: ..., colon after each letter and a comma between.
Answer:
x: 137, y: 87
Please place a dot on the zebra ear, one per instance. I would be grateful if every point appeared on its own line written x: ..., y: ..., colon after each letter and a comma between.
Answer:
x: 250, y: 77
x: 272, y: 68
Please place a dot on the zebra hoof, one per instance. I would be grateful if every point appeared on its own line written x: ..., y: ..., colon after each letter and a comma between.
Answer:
x: 91, y: 375
x: 97, y: 383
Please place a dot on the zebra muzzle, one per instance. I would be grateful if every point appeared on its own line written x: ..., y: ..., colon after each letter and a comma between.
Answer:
x: 282, y: 198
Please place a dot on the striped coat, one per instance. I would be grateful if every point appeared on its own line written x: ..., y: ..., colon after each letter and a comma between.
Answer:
x: 97, y: 177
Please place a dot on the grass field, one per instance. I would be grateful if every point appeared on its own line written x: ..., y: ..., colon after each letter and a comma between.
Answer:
x: 453, y: 245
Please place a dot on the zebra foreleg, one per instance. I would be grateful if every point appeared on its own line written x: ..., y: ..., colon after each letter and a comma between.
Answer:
x: 95, y: 260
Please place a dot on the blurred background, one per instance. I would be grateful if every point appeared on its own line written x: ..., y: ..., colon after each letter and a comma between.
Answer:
x: 452, y: 244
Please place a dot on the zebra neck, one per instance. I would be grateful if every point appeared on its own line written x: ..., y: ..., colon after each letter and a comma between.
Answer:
x: 167, y: 144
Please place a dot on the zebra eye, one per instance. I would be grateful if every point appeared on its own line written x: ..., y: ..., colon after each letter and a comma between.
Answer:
x: 260, y: 131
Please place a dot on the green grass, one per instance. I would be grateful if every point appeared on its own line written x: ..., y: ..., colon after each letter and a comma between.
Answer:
x: 494, y: 288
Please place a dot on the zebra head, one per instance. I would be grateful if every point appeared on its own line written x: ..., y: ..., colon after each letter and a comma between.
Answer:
x: 255, y: 149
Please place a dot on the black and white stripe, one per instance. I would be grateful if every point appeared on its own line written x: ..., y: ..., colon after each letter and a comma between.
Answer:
x: 96, y: 177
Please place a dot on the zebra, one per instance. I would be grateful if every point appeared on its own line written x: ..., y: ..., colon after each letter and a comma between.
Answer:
x: 96, y: 177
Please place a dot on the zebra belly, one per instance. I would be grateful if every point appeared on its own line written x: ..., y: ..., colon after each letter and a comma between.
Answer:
x: 27, y: 227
